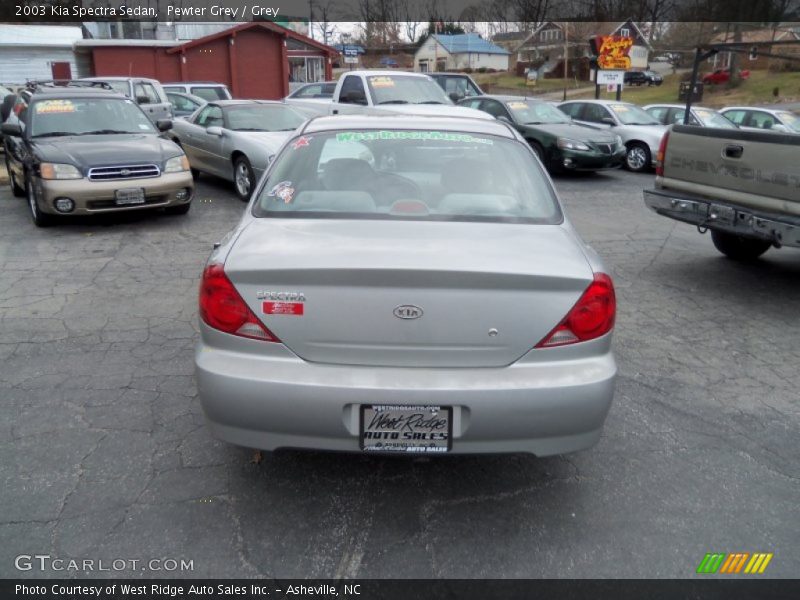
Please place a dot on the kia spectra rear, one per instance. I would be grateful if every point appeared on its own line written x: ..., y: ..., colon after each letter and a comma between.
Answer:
x: 406, y: 285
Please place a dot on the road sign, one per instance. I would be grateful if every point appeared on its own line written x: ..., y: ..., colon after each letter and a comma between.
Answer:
x: 351, y: 51
x: 350, y: 60
x: 610, y: 77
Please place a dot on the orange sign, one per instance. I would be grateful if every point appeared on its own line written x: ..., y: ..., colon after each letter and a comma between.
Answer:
x: 612, y: 51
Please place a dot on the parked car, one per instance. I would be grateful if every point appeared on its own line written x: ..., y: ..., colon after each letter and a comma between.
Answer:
x: 640, y: 132
x: 389, y: 62
x: 758, y: 118
x: 317, y: 94
x: 456, y: 85
x: 147, y: 93
x: 558, y: 142
x: 82, y: 150
x: 642, y: 78
x: 740, y: 185
x: 723, y: 76
x: 669, y: 114
x: 387, y: 92
x: 184, y: 105
x: 408, y: 285
x: 207, y: 90
x: 234, y: 139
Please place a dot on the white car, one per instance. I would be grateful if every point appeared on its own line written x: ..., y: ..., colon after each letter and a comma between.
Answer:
x: 640, y: 132
x: 757, y: 118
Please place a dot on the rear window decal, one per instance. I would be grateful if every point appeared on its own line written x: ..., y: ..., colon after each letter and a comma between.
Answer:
x: 283, y: 191
x: 54, y: 106
x: 522, y: 105
x: 361, y: 136
x: 302, y: 142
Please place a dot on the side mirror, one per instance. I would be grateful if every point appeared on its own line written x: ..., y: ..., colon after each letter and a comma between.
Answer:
x: 213, y: 130
x: 164, y: 124
x: 142, y: 100
x: 11, y: 129
x: 455, y: 96
x: 608, y: 121
x: 504, y: 118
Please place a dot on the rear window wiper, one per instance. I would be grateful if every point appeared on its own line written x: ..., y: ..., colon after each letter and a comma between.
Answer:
x: 394, y: 102
x: 430, y: 102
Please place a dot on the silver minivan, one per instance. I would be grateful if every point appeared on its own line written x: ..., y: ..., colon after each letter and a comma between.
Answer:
x: 147, y: 93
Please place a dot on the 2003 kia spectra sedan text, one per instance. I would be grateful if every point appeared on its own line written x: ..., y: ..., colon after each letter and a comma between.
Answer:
x: 406, y: 284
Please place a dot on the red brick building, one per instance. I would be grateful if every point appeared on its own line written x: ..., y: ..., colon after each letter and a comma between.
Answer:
x: 252, y: 59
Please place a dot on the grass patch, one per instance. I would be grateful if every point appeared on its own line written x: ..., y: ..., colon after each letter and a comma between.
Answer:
x: 509, y: 81
x: 757, y: 89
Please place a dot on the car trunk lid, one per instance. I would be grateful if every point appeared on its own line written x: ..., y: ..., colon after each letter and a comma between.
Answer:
x: 405, y: 293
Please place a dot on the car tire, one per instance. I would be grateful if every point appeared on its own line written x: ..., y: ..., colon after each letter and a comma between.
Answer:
x: 243, y: 178
x: 638, y: 158
x: 39, y: 218
x: 737, y: 247
x: 181, y: 209
x: 16, y: 189
x: 538, y: 151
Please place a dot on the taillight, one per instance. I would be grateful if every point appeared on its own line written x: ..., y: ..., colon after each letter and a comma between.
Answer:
x: 591, y: 317
x: 662, y: 154
x: 221, y: 307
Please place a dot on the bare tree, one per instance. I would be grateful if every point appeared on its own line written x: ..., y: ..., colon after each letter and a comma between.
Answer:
x: 325, y: 15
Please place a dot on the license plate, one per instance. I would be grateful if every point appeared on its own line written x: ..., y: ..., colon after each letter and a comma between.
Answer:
x: 129, y: 196
x: 412, y: 429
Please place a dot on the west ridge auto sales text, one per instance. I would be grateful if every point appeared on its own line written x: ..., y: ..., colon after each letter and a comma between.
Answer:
x: 127, y: 10
x: 174, y: 591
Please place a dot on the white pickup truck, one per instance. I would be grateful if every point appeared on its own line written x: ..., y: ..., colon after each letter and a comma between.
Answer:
x: 382, y: 92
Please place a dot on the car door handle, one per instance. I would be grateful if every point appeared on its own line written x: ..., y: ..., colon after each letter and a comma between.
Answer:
x: 733, y: 151
x: 335, y: 111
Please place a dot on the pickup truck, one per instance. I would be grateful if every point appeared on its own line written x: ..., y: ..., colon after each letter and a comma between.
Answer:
x: 743, y: 186
x: 387, y: 92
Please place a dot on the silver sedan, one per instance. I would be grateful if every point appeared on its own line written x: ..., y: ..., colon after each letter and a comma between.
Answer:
x: 234, y: 139
x: 408, y: 285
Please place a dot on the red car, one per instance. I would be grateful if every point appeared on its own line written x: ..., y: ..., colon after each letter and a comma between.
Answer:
x: 723, y: 76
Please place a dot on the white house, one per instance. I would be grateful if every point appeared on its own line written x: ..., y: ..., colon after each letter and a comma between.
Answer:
x: 461, y: 51
x: 38, y: 52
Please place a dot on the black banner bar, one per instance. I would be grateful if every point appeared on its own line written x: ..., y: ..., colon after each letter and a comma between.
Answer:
x: 733, y: 588
x: 383, y: 11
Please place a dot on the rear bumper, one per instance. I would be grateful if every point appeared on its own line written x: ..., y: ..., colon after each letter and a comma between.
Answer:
x: 537, y: 405
x: 93, y: 197
x: 782, y: 230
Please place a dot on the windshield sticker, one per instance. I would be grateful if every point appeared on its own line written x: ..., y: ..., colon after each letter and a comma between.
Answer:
x: 301, y: 142
x: 362, y: 136
x: 619, y: 108
x: 283, y: 191
x: 380, y: 82
x: 518, y: 104
x: 55, y: 106
x: 144, y: 127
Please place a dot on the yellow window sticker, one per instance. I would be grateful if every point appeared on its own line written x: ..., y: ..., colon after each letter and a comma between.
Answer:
x: 54, y: 106
x: 382, y: 81
x: 520, y: 105
x: 619, y: 108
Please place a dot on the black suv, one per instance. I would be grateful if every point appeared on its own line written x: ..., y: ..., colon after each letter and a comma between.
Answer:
x: 642, y: 78
x: 78, y: 148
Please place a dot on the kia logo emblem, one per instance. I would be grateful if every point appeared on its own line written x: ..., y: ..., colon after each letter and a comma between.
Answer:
x: 408, y: 311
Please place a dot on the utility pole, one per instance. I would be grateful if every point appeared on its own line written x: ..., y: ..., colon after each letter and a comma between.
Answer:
x: 566, y: 58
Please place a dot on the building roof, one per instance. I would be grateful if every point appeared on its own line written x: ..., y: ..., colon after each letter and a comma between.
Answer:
x: 268, y: 25
x: 39, y: 35
x: 124, y: 43
x: 766, y: 34
x: 464, y: 43
x: 510, y: 36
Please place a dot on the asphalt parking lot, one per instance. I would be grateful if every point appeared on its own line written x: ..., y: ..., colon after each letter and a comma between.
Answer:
x: 104, y: 454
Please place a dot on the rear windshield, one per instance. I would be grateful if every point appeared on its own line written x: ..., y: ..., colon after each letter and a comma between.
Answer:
x: 87, y: 116
x: 791, y: 120
x: 210, y: 93
x: 402, y: 174
x: 630, y: 114
x: 711, y: 118
x: 263, y: 117
x: 400, y: 89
